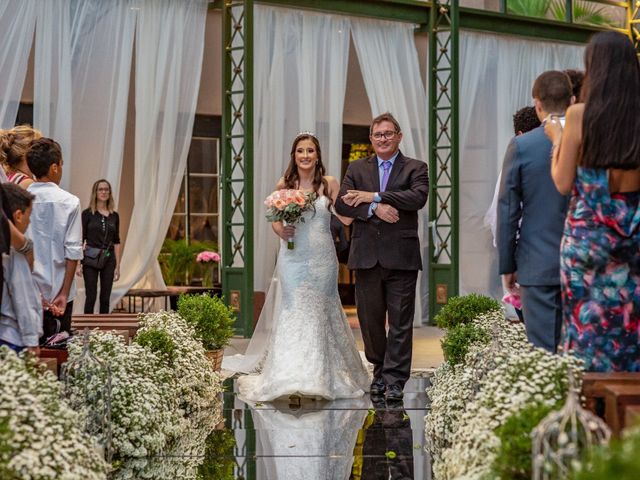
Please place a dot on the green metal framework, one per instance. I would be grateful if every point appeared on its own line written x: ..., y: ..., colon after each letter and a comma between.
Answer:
x: 442, y: 21
x: 443, y: 157
x: 237, y: 161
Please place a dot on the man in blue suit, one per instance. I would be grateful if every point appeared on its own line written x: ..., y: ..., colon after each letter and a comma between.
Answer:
x: 529, y: 251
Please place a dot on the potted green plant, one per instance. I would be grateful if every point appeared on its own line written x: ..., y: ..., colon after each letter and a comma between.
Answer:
x: 177, y: 259
x: 212, y: 320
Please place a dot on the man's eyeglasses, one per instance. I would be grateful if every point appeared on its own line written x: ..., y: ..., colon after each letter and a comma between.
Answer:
x: 380, y: 135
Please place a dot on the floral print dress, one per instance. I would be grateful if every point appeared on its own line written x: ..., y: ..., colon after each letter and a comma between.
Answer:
x: 600, y: 275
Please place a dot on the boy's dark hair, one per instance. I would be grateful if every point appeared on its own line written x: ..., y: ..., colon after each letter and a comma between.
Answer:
x: 576, y: 77
x: 14, y: 198
x: 43, y: 153
x: 525, y: 120
x: 553, y: 89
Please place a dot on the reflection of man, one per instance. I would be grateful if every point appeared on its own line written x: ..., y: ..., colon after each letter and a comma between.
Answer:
x: 529, y: 254
x: 383, y: 193
x: 384, y: 449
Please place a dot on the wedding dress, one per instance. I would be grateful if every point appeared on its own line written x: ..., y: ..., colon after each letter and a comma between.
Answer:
x: 303, y: 344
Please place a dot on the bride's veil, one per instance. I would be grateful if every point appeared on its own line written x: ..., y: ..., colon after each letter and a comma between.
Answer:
x: 257, y: 348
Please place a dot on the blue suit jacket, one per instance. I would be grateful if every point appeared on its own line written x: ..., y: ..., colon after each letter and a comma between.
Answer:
x: 527, y: 192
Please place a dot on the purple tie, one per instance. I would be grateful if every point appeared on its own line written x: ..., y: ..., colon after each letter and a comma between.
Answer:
x: 385, y: 176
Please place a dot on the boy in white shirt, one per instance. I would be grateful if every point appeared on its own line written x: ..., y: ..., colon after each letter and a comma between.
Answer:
x: 21, y: 310
x: 56, y: 231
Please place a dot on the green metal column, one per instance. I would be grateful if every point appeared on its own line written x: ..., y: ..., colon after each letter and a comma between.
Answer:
x: 237, y: 161
x: 634, y: 23
x: 443, y: 157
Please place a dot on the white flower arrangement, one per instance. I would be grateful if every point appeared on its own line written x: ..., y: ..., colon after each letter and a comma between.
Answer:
x: 182, y: 458
x: 469, y: 401
x: 144, y: 404
x: 197, y: 385
x: 453, y: 387
x: 43, y: 437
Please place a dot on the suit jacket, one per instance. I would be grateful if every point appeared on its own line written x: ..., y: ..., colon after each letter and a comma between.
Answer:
x: 527, y: 192
x: 392, y: 245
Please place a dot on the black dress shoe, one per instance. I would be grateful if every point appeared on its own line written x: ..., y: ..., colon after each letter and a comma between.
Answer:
x: 394, y: 393
x: 377, y: 386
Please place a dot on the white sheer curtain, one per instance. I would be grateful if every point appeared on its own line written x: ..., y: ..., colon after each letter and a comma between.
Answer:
x: 17, y: 24
x: 390, y: 69
x: 496, y: 77
x: 52, y: 94
x: 82, y: 70
x: 300, y: 71
x: 101, y: 48
x: 169, y: 46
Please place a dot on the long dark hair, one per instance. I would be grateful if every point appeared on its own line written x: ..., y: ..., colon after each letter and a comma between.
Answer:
x: 291, y: 175
x: 611, y: 92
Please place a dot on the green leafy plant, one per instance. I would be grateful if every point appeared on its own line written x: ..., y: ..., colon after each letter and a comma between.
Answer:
x: 513, y: 460
x: 178, y: 260
x: 211, y: 318
x: 219, y: 459
x: 459, y: 338
x: 618, y: 460
x: 583, y: 12
x: 459, y: 310
x: 159, y: 341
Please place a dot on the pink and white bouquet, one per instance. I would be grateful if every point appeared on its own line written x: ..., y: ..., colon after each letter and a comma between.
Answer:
x: 207, y: 256
x: 287, y: 206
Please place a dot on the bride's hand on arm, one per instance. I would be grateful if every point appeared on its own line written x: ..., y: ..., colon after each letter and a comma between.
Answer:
x: 334, y: 188
x: 284, y: 232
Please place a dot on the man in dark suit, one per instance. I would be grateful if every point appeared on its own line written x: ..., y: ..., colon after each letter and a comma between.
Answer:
x: 383, y: 194
x: 529, y: 254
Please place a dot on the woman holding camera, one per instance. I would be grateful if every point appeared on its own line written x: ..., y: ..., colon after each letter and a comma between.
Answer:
x: 100, y: 234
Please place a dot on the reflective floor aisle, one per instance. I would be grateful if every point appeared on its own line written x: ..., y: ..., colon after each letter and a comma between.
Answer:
x: 318, y: 440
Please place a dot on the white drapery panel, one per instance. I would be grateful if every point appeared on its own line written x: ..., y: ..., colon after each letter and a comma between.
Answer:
x: 52, y: 97
x: 390, y: 69
x: 169, y: 46
x: 17, y: 24
x: 82, y: 70
x: 496, y: 76
x: 300, y: 72
x: 101, y: 48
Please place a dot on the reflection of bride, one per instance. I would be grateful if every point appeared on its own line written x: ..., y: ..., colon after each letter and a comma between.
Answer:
x: 308, y: 445
x: 302, y: 344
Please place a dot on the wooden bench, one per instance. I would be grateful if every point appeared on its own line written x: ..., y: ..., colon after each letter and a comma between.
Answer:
x: 617, y: 392
x: 594, y: 384
x: 632, y: 415
x: 619, y: 397
x: 102, y: 321
x: 60, y: 356
x: 49, y: 363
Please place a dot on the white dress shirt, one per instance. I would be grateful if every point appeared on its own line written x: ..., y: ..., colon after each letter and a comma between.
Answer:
x: 56, y: 231
x: 21, y: 311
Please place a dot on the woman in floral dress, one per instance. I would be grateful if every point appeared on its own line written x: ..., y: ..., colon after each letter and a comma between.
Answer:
x: 597, y: 158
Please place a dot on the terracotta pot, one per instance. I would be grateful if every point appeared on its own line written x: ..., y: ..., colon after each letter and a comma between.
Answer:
x: 215, y: 357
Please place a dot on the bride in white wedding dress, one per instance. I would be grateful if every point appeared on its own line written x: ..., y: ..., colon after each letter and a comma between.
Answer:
x: 303, y: 344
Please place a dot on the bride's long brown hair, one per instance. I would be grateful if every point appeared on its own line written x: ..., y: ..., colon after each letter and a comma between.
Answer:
x: 291, y: 175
